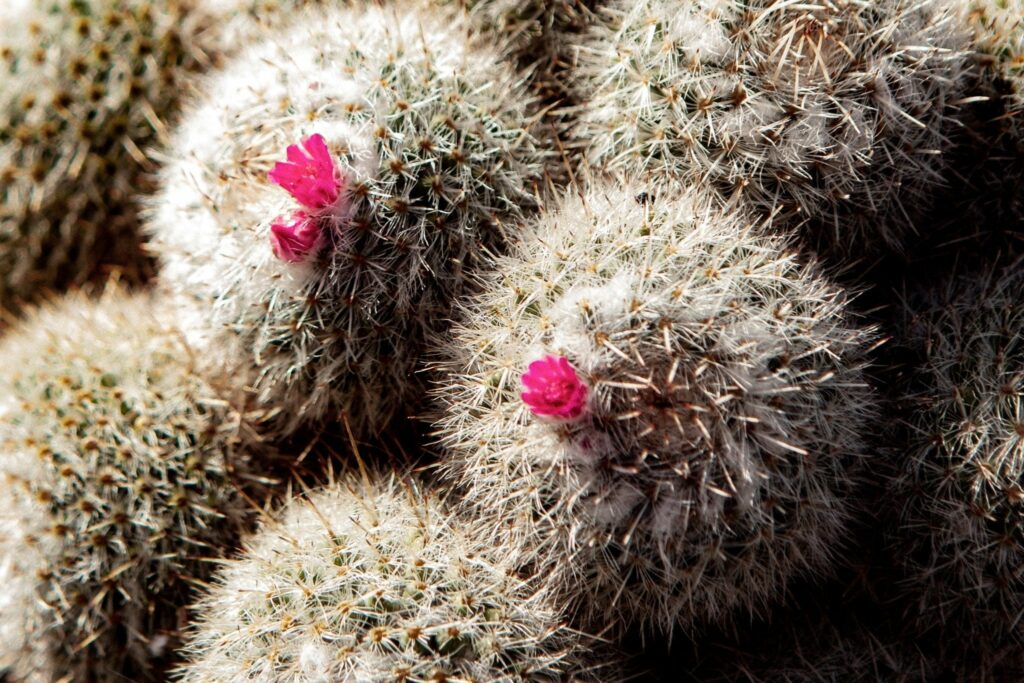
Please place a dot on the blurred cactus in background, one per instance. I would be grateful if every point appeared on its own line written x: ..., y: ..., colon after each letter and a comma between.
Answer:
x: 116, y: 489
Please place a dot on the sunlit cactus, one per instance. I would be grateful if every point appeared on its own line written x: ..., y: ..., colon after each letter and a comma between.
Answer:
x: 376, y: 582
x: 657, y: 409
x: 409, y: 157
x: 116, y: 488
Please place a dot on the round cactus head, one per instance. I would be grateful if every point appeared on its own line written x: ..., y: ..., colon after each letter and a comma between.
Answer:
x: 325, y: 196
x: 373, y: 582
x: 116, y: 488
x: 658, y: 407
x: 961, y: 530
x: 830, y: 115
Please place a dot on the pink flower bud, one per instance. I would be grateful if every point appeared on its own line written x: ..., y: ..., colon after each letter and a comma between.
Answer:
x: 310, y: 176
x: 295, y: 241
x: 553, y: 389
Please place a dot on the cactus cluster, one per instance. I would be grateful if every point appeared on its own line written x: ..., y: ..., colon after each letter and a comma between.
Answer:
x: 433, y: 165
x: 116, y: 489
x: 961, y: 524
x: 718, y: 446
x: 84, y: 88
x: 831, y: 114
x: 374, y: 581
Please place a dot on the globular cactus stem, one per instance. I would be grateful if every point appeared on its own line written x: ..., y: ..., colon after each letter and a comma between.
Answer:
x: 422, y: 145
x: 656, y: 409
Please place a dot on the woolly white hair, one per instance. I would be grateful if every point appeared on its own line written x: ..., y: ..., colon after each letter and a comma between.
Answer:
x: 725, y: 417
x: 373, y: 581
x: 430, y: 130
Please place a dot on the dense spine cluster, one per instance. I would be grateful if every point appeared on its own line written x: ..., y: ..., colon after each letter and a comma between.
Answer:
x: 428, y: 134
x: 998, y: 30
x: 115, y: 486
x: 831, y: 113
x: 375, y: 581
x: 961, y: 493
x: 714, y: 452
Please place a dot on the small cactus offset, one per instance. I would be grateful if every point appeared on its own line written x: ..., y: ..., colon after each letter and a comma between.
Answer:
x: 962, y: 489
x: 116, y: 490
x: 373, y: 582
x: 408, y: 157
x: 689, y: 430
x: 831, y: 113
x: 83, y: 84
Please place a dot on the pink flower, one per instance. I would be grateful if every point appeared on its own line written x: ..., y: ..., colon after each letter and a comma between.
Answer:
x: 310, y: 176
x: 554, y: 389
x: 295, y: 241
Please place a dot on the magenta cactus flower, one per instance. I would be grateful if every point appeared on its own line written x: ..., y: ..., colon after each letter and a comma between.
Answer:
x: 295, y: 241
x: 310, y: 174
x: 553, y: 389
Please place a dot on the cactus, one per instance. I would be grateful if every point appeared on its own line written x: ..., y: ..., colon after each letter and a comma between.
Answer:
x: 697, y: 403
x: 428, y: 165
x: 832, y: 114
x: 373, y: 582
x: 84, y: 84
x: 998, y: 29
x: 961, y: 518
x: 115, y: 479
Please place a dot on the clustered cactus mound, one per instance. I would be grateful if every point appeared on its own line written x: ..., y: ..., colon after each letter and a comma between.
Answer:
x: 417, y: 161
x: 712, y: 405
x: 833, y: 113
x: 962, y: 487
x: 84, y: 86
x: 115, y: 472
x: 373, y: 581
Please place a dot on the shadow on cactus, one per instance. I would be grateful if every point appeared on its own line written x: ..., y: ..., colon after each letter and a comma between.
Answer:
x: 116, y: 488
x: 325, y: 275
x: 690, y: 426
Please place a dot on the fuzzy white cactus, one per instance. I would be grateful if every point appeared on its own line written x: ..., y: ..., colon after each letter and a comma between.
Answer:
x: 702, y: 438
x: 831, y: 112
x: 961, y: 492
x: 998, y: 29
x: 374, y: 581
x: 429, y: 164
x: 115, y: 482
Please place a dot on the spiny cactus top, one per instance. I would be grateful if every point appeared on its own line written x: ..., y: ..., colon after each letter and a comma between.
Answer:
x: 657, y: 408
x: 833, y: 111
x: 114, y: 482
x: 419, y: 138
x: 962, y: 493
x: 373, y: 582
x: 82, y: 86
x: 999, y: 35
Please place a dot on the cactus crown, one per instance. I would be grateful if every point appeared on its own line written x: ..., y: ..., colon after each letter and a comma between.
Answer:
x: 429, y: 132
x: 828, y: 112
x: 371, y: 582
x: 724, y: 416
x: 115, y: 462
